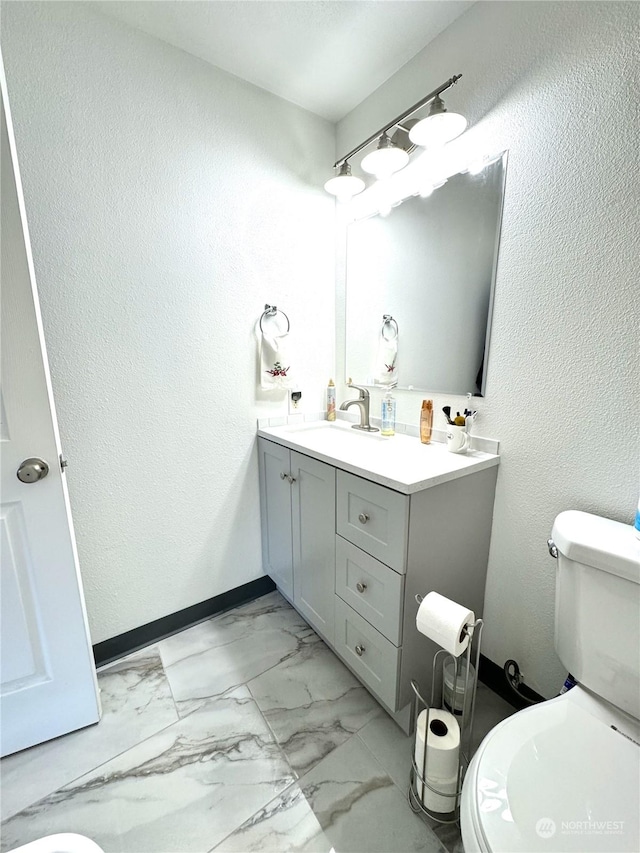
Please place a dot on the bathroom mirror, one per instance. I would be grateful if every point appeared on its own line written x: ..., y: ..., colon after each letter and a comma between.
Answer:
x: 430, y: 263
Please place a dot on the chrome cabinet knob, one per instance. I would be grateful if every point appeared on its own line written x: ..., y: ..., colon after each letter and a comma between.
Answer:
x: 288, y: 477
x: 283, y: 475
x: 291, y: 479
x: 553, y: 548
x: 359, y: 650
x: 361, y: 586
x: 363, y: 518
x: 32, y: 470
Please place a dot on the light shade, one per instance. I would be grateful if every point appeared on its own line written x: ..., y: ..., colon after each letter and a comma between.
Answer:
x: 386, y: 159
x: 344, y: 185
x: 439, y: 127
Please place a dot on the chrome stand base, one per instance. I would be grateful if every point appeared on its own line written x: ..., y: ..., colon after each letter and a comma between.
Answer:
x: 418, y: 778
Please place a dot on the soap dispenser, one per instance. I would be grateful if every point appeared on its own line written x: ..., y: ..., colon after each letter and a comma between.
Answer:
x: 388, y: 414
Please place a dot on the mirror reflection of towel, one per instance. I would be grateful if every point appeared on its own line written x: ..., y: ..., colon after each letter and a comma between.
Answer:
x: 275, y: 362
x: 386, y: 372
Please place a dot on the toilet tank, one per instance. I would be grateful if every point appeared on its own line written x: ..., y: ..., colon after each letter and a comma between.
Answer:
x: 597, y: 621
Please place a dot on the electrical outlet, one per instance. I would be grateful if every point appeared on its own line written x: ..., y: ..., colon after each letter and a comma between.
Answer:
x: 294, y: 402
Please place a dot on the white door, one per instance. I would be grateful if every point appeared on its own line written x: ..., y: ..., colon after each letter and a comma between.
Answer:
x: 47, y: 674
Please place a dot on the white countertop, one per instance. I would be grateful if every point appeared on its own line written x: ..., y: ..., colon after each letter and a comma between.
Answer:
x: 400, y: 462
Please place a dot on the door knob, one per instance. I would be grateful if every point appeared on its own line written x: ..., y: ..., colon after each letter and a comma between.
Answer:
x: 359, y: 650
x: 32, y: 470
x: 361, y: 586
x: 363, y: 518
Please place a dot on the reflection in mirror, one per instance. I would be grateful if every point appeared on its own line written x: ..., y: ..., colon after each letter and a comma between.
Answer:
x: 431, y: 265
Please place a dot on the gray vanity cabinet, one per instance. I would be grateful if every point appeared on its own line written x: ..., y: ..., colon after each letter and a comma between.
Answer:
x: 298, y: 531
x: 352, y: 554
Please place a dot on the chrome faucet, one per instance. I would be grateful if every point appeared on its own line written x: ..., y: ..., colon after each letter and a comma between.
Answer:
x: 363, y: 404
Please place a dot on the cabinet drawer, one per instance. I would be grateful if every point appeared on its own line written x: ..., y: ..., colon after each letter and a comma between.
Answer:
x: 372, y: 589
x: 372, y: 657
x: 374, y: 518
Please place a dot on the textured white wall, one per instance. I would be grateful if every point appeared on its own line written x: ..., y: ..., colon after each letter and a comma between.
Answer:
x: 556, y: 84
x: 167, y: 202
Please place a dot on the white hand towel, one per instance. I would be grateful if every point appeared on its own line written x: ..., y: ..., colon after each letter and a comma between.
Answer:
x: 386, y: 372
x: 275, y: 362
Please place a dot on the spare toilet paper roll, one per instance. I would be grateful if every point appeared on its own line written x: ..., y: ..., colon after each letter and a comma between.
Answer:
x: 443, y: 621
x: 442, y: 733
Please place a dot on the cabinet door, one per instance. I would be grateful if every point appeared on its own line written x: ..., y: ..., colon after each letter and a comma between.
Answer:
x: 314, y: 524
x: 275, y: 510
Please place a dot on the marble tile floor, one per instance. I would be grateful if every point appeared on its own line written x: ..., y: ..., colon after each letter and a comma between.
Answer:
x: 243, y: 733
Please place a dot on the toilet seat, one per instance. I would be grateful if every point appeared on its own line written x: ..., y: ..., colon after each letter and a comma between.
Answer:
x: 555, y: 777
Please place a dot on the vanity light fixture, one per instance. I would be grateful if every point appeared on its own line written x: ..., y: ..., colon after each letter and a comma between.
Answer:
x: 344, y: 185
x: 392, y: 154
x: 439, y: 127
x: 386, y: 159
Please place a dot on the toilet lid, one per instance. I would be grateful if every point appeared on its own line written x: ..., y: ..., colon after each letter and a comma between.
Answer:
x: 557, y: 778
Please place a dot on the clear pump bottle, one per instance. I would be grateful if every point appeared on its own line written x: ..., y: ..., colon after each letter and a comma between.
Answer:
x: 388, y: 414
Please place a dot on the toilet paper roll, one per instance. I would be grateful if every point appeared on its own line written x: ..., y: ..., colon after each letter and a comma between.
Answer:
x: 443, y: 621
x: 442, y: 733
x: 443, y: 801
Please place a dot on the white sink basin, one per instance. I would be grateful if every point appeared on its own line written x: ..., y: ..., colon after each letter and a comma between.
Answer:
x: 336, y: 431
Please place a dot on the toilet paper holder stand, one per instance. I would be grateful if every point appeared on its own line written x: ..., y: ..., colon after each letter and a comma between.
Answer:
x: 419, y: 774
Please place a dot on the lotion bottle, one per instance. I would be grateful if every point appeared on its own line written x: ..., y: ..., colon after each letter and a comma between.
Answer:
x: 331, y: 401
x: 388, y: 414
x: 426, y: 421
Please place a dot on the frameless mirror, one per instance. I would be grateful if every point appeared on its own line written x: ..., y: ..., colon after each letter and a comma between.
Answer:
x: 430, y: 265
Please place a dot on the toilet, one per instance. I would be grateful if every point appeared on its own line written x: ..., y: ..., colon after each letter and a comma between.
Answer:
x: 564, y: 775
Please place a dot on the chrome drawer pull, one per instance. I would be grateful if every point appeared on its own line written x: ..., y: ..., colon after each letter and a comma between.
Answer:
x: 359, y: 650
x: 363, y: 518
x: 361, y: 586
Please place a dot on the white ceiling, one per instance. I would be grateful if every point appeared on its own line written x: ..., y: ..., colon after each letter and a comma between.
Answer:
x: 324, y: 55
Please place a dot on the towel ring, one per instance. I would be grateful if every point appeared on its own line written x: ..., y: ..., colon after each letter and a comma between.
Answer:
x: 387, y: 320
x: 271, y: 311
